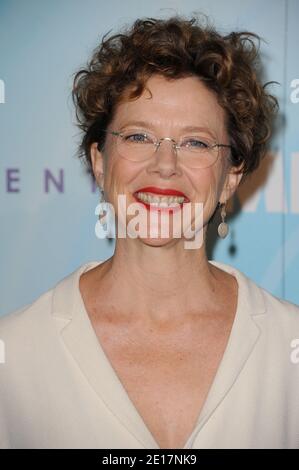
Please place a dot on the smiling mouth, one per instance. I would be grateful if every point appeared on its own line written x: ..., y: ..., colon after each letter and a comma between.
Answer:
x: 160, y: 202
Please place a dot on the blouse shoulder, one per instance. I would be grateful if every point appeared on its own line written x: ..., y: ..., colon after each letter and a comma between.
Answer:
x: 259, y: 300
x: 28, y: 315
x: 281, y: 310
x: 37, y: 315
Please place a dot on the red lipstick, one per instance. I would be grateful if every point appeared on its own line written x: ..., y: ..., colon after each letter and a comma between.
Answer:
x: 161, y: 192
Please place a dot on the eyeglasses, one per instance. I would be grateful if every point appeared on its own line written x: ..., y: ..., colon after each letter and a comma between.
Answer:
x: 195, y: 151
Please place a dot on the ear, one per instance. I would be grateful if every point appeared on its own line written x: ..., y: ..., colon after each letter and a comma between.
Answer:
x: 97, y: 161
x: 231, y: 183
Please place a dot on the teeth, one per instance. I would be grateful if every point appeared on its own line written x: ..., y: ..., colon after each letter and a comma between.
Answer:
x: 160, y: 201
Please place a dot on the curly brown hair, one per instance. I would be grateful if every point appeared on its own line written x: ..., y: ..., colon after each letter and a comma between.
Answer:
x: 177, y: 47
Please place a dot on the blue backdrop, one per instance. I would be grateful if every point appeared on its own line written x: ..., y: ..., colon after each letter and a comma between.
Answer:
x: 47, y: 202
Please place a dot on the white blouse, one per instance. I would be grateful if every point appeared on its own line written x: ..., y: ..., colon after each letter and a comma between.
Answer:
x: 58, y: 389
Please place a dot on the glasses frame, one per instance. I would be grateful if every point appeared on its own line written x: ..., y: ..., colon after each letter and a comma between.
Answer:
x: 175, y: 145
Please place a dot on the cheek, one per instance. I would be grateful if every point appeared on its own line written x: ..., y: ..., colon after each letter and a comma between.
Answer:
x: 208, y: 188
x: 118, y: 176
x: 205, y: 183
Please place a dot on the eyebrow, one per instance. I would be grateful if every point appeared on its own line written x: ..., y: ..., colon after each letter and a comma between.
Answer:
x: 152, y: 126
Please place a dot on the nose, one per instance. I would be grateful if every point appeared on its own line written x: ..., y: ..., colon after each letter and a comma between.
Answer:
x: 169, y: 139
x: 165, y: 157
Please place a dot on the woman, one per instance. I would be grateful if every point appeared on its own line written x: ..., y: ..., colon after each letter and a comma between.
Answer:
x: 158, y: 347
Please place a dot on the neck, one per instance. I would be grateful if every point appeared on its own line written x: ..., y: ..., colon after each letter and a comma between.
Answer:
x: 158, y: 283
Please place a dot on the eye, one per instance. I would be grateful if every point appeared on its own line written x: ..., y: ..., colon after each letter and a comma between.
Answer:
x: 196, y: 143
x: 136, y: 138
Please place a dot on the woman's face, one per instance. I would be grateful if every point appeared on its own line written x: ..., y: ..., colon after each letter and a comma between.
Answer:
x: 166, y: 112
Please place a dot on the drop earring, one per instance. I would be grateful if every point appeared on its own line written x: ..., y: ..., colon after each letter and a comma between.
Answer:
x: 223, y: 226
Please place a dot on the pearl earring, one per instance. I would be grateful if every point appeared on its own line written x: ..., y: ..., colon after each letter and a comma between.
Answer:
x: 223, y: 226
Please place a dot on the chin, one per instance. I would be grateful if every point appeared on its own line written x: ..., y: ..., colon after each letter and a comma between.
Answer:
x: 157, y: 242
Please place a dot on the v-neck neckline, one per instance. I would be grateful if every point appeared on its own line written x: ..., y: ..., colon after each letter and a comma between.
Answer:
x: 81, y: 338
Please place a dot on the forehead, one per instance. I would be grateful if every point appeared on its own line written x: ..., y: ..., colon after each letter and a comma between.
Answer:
x: 175, y: 104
